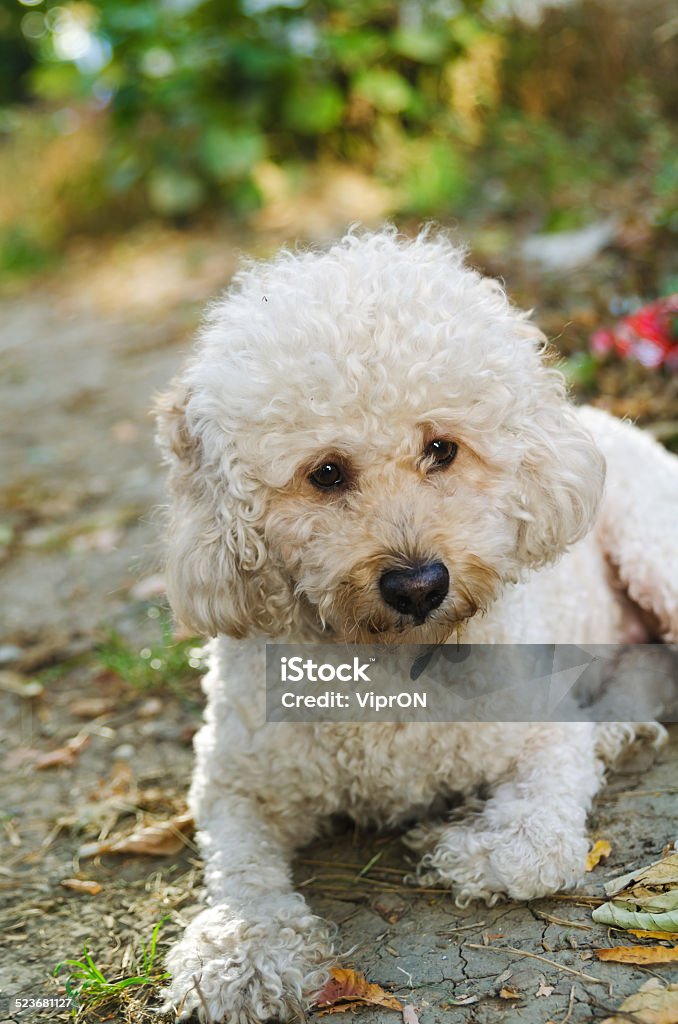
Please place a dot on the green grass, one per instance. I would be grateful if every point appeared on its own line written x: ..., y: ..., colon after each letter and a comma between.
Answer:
x: 168, y: 664
x: 90, y: 990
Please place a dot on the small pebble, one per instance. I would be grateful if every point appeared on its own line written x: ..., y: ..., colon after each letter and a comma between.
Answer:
x: 8, y: 653
x: 150, y: 707
x: 125, y: 752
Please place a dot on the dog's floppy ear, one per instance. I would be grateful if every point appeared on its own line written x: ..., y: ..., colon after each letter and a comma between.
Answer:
x: 219, y: 576
x: 560, y: 478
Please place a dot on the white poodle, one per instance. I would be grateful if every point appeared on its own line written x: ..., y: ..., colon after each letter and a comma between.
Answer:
x: 367, y: 445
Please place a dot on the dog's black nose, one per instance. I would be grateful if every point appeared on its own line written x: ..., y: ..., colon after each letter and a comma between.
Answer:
x: 415, y: 591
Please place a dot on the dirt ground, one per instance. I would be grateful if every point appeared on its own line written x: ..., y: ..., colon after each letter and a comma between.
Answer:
x: 80, y: 358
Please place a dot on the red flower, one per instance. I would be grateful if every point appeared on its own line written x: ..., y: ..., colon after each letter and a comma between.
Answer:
x: 649, y: 335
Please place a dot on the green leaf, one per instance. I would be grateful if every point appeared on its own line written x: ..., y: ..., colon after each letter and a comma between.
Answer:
x: 355, y: 50
x: 134, y: 18
x: 56, y: 82
x: 464, y: 30
x: 93, y: 967
x: 653, y: 888
x: 149, y: 954
x: 419, y: 44
x: 228, y: 154
x: 173, y: 192
x: 386, y: 90
x: 619, y: 915
x: 581, y: 369
x: 312, y: 109
x: 436, y: 177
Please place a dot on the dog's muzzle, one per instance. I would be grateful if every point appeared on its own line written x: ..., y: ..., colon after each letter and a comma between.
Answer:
x: 417, y: 591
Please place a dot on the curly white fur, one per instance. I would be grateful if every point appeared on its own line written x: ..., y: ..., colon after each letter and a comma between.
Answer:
x: 363, y: 354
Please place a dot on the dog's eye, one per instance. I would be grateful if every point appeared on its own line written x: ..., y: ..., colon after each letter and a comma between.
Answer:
x: 441, y: 453
x: 327, y: 476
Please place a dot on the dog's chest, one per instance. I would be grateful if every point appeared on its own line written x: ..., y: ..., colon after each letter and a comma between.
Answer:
x: 389, y: 773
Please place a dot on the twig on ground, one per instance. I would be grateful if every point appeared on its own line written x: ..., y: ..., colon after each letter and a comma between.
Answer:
x: 349, y: 865
x: 407, y: 975
x: 552, y: 919
x: 335, y: 883
x: 463, y: 928
x: 370, y: 864
x: 536, y: 956
x: 196, y: 984
x: 638, y: 792
x: 570, y: 1007
x: 595, y: 901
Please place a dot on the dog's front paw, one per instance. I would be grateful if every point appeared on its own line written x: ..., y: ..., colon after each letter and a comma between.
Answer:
x: 460, y: 861
x: 521, y: 863
x: 248, y: 967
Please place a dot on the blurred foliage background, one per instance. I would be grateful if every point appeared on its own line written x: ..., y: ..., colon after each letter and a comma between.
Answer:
x: 119, y: 110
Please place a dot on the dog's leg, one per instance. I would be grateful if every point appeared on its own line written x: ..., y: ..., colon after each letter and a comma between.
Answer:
x: 257, y: 952
x: 637, y: 524
x: 530, y: 838
x: 615, y: 739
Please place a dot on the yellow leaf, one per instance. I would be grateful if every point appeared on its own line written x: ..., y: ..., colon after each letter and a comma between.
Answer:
x: 659, y: 875
x: 646, y: 898
x: 161, y: 839
x: 652, y: 1004
x: 640, y: 954
x: 64, y: 756
x: 601, y: 850
x: 640, y: 934
x: 509, y: 993
x: 348, y: 988
x: 90, y: 887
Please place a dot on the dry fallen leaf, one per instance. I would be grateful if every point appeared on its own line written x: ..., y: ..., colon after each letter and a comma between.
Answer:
x: 652, y: 1004
x: 508, y: 992
x: 658, y: 875
x: 623, y: 915
x: 105, y: 540
x: 391, y: 914
x: 410, y: 1015
x: 56, y: 647
x: 88, y: 886
x: 62, y: 757
x: 91, y: 707
x: 544, y: 989
x: 20, y: 686
x: 640, y: 933
x: 161, y: 839
x: 18, y: 757
x: 13, y: 836
x: 119, y: 782
x: 347, y: 988
x: 600, y: 850
x: 646, y: 898
x: 148, y: 588
x: 640, y: 954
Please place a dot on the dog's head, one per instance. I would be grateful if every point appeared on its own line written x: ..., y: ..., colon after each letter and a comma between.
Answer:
x: 367, y: 442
